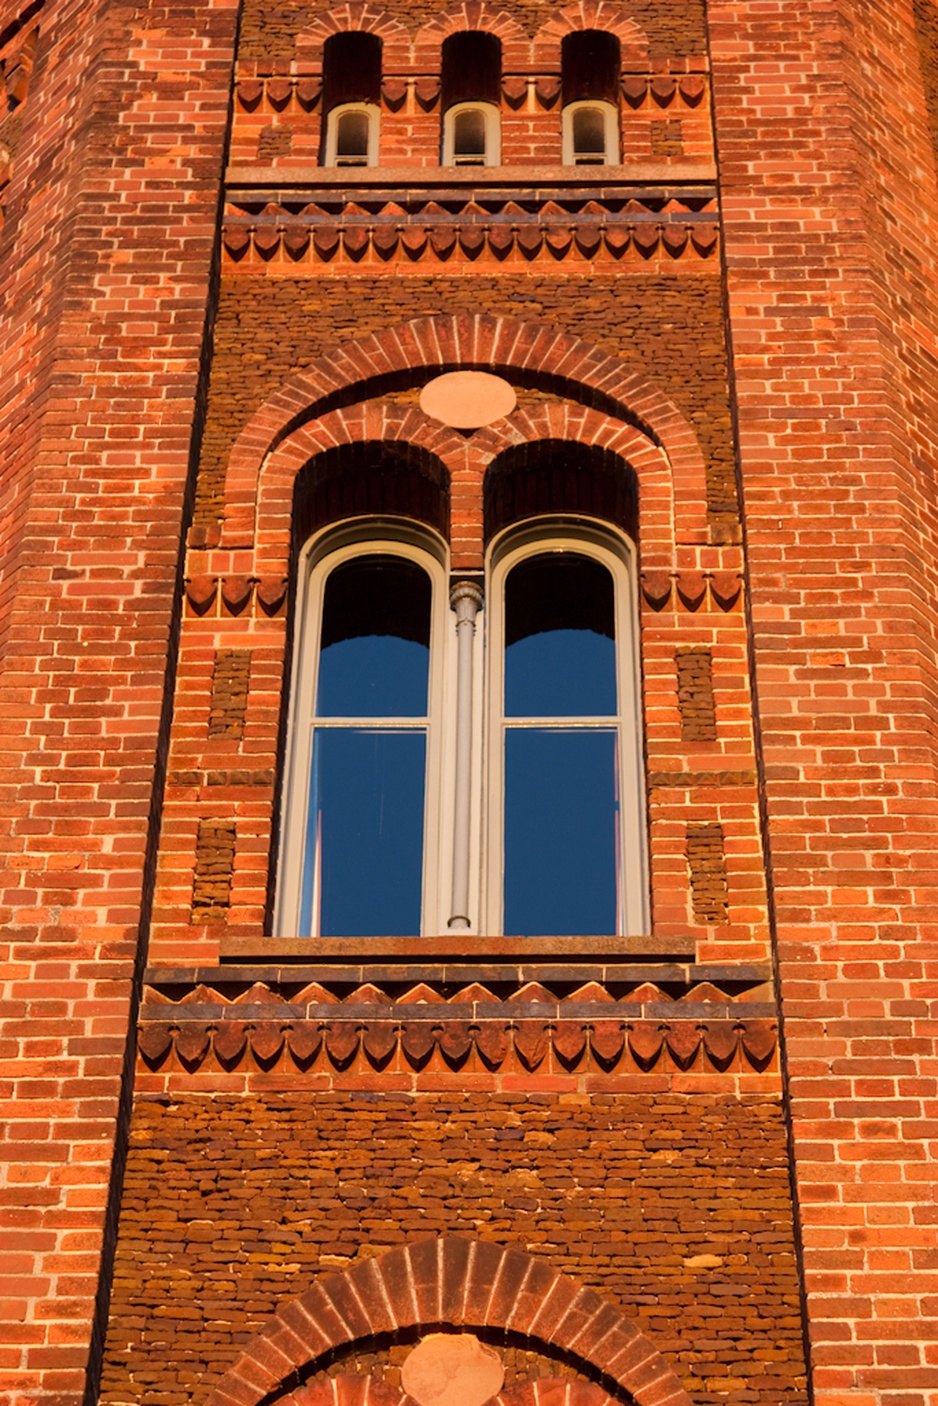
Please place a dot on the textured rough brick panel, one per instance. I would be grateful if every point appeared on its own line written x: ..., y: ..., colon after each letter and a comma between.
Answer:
x: 695, y: 694
x: 926, y: 30
x: 706, y: 860
x: 624, y: 1193
x: 667, y: 327
x: 214, y: 867
x: 667, y: 137
x: 230, y: 682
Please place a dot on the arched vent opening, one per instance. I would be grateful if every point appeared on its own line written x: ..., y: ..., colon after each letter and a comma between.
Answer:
x: 351, y: 69
x: 472, y: 68
x: 590, y: 65
x: 374, y: 479
x: 559, y: 476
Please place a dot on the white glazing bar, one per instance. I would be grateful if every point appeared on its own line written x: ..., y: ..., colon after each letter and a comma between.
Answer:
x: 466, y: 599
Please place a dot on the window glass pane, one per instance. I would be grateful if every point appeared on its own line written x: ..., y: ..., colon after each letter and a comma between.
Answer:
x: 363, y: 865
x: 469, y: 135
x: 351, y: 141
x: 374, y: 654
x: 589, y: 133
x: 561, y: 833
x: 560, y: 656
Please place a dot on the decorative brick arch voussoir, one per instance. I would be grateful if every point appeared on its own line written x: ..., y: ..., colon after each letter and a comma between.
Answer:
x: 596, y: 14
x: 660, y: 519
x: 356, y: 15
x: 457, y: 1283
x: 499, y: 344
x: 267, y: 514
x: 471, y: 14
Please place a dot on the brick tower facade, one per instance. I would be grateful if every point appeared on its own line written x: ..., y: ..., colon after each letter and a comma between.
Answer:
x: 465, y: 297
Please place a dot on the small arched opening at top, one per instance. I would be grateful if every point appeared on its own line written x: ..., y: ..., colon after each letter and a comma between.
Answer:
x: 591, y: 61
x: 562, y: 477
x: 350, y: 99
x: 471, y: 92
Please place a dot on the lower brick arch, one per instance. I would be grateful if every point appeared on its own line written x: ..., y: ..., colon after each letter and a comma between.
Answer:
x: 368, y: 1391
x: 553, y: 360
x: 450, y: 1282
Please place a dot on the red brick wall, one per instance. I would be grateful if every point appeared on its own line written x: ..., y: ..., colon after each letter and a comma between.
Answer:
x: 106, y: 251
x: 675, y: 1207
x: 829, y: 205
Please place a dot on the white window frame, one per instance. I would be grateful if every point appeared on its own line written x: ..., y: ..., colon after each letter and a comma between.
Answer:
x: 601, y: 543
x: 324, y: 552
x: 371, y: 112
x: 610, y: 115
x: 493, y: 122
x: 411, y: 541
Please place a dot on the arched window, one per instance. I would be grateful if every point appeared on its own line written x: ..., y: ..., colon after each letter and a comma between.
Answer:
x: 471, y: 135
x: 590, y: 134
x: 362, y: 802
x: 471, y: 93
x: 591, y: 61
x: 350, y: 98
x: 466, y: 754
x: 565, y: 819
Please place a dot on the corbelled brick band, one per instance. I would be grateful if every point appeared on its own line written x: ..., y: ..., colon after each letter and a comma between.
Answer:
x: 459, y: 1283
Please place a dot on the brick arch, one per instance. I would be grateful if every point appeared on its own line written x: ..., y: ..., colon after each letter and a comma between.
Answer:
x: 355, y: 15
x: 471, y: 14
x: 267, y: 514
x: 498, y: 344
x: 662, y: 521
x: 459, y: 1283
x: 348, y: 1390
x: 593, y: 14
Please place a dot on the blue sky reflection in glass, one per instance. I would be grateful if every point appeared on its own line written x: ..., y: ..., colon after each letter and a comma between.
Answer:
x: 561, y: 818
x: 363, y: 864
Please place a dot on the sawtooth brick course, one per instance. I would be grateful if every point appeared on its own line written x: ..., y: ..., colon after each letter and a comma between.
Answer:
x: 235, y: 1205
